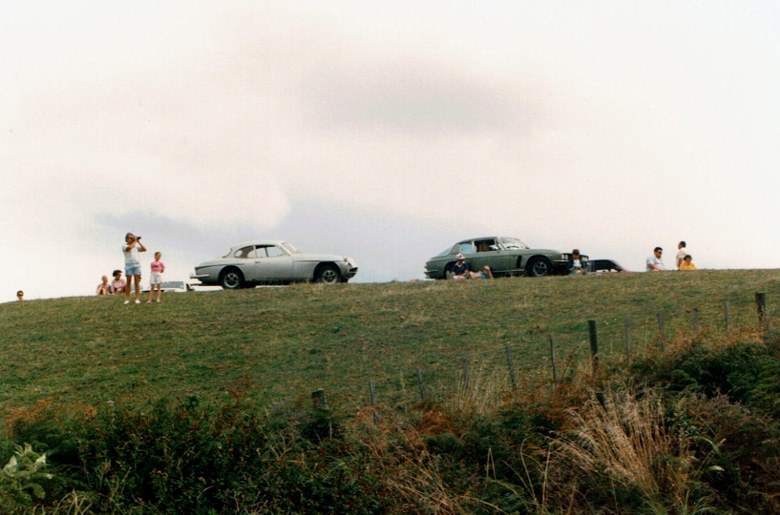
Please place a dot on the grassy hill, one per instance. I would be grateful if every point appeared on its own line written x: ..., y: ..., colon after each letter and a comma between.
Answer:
x: 200, y: 404
x: 280, y: 344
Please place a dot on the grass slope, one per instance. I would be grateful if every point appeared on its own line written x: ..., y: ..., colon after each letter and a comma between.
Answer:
x: 279, y: 344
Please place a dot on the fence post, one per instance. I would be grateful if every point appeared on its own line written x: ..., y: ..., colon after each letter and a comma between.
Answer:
x: 464, y: 364
x: 552, y: 359
x: 421, y: 380
x: 372, y: 392
x: 318, y: 399
x: 628, y: 341
x: 662, y: 331
x: 511, y: 367
x: 727, y: 317
x: 763, y: 315
x: 594, y: 345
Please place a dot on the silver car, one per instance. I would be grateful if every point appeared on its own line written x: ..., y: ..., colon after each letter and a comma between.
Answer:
x: 272, y: 262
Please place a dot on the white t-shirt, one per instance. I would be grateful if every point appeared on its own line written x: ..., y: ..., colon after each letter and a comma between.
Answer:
x: 131, y: 255
x: 655, y: 261
x: 681, y: 255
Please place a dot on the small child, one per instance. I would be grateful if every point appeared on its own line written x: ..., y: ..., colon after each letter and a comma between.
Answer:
x: 687, y: 263
x: 158, y: 267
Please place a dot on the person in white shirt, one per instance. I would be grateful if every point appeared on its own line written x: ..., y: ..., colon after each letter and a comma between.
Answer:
x: 681, y: 253
x: 654, y: 263
x: 131, y: 248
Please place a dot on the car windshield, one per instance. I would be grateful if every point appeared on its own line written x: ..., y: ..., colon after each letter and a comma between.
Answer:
x: 289, y: 247
x: 513, y: 243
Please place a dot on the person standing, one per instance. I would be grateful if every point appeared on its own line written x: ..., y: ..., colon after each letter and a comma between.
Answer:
x: 681, y: 253
x: 654, y: 263
x: 131, y: 248
x: 158, y: 267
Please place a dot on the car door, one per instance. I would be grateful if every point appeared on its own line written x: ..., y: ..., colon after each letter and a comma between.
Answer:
x: 271, y: 264
x: 489, y: 252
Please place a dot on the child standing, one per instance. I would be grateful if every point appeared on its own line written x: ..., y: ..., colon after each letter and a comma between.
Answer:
x: 158, y: 267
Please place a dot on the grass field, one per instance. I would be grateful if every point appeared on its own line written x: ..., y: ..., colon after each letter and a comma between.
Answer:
x: 280, y: 344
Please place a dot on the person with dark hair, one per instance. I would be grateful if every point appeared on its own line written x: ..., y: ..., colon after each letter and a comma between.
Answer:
x: 118, y: 284
x: 131, y: 248
x: 687, y: 263
x: 20, y: 295
x: 575, y: 263
x: 654, y: 262
x: 681, y: 253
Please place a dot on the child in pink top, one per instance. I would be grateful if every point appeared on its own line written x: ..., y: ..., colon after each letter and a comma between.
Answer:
x: 158, y: 267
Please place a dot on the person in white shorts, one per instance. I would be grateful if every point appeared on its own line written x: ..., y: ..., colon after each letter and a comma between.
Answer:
x: 131, y: 248
x: 158, y: 267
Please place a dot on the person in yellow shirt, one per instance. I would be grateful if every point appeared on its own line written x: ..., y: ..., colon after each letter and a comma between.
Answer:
x: 687, y: 263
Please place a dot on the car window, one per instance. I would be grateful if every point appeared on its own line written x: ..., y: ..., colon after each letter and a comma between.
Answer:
x: 274, y: 251
x: 467, y: 248
x: 513, y: 243
x: 244, y: 252
x: 486, y: 245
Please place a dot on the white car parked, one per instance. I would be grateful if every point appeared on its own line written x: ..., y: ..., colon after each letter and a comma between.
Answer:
x: 272, y: 262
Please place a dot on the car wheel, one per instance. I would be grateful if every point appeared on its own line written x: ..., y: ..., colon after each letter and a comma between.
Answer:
x: 539, y: 267
x: 231, y: 279
x: 328, y: 274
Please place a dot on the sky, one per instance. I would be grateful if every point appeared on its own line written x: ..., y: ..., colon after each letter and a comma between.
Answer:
x: 384, y: 131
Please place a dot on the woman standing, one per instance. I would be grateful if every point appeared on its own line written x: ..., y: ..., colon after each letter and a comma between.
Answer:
x: 131, y: 248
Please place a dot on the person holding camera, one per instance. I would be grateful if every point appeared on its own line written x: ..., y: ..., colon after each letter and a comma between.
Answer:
x: 131, y: 248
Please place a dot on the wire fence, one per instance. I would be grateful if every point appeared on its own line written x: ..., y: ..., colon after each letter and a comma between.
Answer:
x: 511, y: 367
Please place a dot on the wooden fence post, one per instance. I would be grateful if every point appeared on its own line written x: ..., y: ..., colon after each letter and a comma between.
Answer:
x: 628, y: 341
x: 318, y: 399
x: 594, y: 345
x: 763, y: 315
x: 421, y: 380
x: 552, y: 359
x: 727, y: 317
x: 511, y: 367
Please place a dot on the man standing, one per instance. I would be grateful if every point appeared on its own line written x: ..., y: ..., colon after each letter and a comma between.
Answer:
x: 654, y: 263
x: 131, y: 248
x: 681, y: 253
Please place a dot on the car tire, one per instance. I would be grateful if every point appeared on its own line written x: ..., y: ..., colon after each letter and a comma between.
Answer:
x: 539, y: 267
x: 328, y: 274
x: 231, y: 279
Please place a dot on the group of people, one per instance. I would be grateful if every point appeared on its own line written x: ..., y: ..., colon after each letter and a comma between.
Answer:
x: 462, y: 270
x: 683, y: 260
x: 118, y: 286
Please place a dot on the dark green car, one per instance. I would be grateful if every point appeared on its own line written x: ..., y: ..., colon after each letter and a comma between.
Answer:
x: 505, y: 257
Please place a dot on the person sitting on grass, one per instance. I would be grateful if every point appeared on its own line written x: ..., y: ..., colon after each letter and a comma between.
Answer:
x: 104, y: 288
x: 118, y: 284
x: 687, y: 263
x: 461, y: 269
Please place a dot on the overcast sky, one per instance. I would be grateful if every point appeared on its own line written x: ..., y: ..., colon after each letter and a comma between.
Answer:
x: 385, y: 131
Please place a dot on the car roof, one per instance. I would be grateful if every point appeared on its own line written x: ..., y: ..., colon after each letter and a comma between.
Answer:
x: 257, y: 242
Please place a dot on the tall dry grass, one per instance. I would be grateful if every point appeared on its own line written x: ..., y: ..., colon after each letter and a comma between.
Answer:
x: 623, y: 435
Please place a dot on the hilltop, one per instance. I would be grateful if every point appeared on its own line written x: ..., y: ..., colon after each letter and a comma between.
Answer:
x: 279, y: 344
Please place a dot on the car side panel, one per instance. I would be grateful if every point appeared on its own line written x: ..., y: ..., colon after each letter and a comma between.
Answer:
x: 270, y: 269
